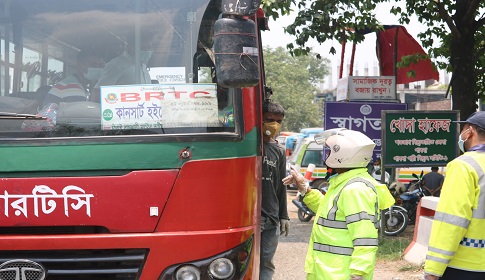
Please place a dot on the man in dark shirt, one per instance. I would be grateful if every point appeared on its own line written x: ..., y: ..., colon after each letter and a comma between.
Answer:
x: 433, y: 181
x: 274, y: 213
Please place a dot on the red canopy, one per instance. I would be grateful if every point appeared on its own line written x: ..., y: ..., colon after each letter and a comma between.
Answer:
x: 406, y: 45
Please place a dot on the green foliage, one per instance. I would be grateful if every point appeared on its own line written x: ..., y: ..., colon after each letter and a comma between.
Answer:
x: 325, y: 20
x: 455, y: 37
x: 391, y: 248
x: 294, y: 82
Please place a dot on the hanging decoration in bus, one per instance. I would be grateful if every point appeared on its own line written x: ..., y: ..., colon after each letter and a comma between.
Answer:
x: 159, y: 106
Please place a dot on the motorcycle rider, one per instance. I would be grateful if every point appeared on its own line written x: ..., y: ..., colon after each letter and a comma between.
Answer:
x: 376, y: 172
x: 344, y: 238
x: 456, y: 247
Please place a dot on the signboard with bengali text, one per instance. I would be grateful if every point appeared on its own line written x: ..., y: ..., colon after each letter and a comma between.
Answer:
x: 159, y: 106
x: 366, y: 88
x: 419, y: 138
x: 360, y: 116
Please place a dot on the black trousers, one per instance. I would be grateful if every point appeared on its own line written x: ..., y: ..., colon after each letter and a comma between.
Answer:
x: 458, y: 274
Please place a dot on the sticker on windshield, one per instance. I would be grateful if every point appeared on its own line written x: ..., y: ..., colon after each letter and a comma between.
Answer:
x: 166, y: 75
x: 159, y: 106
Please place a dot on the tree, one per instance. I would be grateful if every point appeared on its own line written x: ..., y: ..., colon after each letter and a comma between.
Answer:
x: 294, y: 83
x: 459, y: 27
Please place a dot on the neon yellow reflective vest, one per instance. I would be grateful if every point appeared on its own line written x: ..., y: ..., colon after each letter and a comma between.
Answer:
x: 345, y: 231
x: 458, y: 234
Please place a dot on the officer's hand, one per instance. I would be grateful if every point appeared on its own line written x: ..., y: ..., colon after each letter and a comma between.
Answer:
x: 430, y: 277
x: 288, y: 180
x: 284, y: 227
x: 356, y: 277
x: 295, y: 177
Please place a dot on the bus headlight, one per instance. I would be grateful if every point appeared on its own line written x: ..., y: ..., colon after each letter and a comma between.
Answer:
x: 230, y: 264
x: 221, y: 268
x: 187, y: 272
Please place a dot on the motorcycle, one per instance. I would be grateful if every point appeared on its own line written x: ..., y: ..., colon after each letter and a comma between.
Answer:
x: 411, y: 198
x: 403, y: 213
x: 395, y: 219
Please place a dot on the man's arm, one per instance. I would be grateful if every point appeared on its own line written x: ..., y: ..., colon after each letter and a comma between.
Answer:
x: 423, y: 184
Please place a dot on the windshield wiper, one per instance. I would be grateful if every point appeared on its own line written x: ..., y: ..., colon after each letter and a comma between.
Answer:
x: 15, y: 116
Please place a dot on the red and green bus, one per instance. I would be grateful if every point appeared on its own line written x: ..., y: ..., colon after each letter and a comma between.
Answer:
x: 146, y: 181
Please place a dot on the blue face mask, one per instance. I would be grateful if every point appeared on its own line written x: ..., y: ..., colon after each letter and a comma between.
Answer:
x: 461, y: 142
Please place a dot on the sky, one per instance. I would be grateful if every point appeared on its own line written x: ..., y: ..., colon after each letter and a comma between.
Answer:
x: 365, y: 52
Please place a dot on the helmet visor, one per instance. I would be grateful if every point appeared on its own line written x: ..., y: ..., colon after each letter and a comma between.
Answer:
x: 321, y: 138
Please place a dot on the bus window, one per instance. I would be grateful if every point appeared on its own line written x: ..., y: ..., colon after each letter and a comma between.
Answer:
x: 158, y: 75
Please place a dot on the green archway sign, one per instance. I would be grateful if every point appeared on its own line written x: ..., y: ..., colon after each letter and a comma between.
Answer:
x: 419, y: 138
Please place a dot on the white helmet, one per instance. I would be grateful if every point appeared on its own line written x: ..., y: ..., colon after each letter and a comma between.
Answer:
x: 397, y: 188
x: 348, y: 148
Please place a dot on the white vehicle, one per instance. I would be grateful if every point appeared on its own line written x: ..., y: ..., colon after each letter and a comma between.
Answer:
x: 306, y: 152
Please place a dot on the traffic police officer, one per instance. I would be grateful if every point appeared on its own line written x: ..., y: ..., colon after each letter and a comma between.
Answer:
x: 457, y: 244
x: 344, y: 238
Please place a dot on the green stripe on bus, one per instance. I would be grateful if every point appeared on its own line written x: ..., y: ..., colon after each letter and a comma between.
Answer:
x: 119, y: 156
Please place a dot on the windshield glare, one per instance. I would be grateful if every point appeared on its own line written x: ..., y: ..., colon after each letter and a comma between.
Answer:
x: 110, y: 68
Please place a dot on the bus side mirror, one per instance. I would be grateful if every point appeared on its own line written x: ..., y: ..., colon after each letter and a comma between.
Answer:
x: 236, y: 52
x: 240, y: 7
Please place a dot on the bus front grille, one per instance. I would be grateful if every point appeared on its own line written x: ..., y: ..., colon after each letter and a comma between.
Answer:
x: 119, y: 264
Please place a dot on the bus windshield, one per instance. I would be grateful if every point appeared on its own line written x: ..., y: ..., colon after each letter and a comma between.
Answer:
x: 112, y: 68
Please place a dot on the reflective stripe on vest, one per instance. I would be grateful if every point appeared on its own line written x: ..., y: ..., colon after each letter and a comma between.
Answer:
x: 478, y: 213
x: 333, y: 249
x: 436, y: 259
x: 348, y: 220
x: 360, y: 216
x: 366, y: 242
x: 352, y: 218
x: 452, y: 219
x: 331, y: 224
x: 441, y: 251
